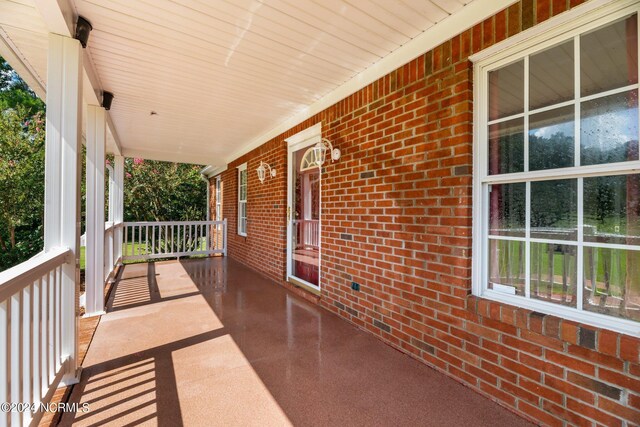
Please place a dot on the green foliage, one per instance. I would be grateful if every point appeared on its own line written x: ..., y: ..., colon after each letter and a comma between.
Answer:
x: 22, y: 133
x: 15, y: 93
x: 162, y: 191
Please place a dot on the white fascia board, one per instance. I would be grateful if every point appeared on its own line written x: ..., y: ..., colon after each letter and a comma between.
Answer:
x: 21, y: 65
x: 205, y: 170
x: 471, y: 14
x: 91, y: 89
x: 117, y: 145
x: 210, y: 171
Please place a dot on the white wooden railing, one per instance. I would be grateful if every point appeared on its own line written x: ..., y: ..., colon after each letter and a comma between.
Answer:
x: 167, y: 239
x: 307, y: 232
x: 32, y: 355
x: 112, y: 251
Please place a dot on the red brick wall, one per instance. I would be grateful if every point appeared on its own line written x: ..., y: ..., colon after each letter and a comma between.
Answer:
x: 396, y: 217
x: 264, y: 247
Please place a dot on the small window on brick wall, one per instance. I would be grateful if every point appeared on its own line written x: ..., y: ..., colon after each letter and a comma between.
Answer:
x: 218, y: 196
x: 557, y: 188
x: 242, y: 200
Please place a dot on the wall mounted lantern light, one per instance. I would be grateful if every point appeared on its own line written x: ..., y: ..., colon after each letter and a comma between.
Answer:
x: 83, y: 28
x: 320, y: 152
x: 262, y: 171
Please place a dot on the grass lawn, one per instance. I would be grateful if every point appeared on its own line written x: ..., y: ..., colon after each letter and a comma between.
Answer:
x: 613, y: 262
x: 134, y: 248
x: 127, y: 248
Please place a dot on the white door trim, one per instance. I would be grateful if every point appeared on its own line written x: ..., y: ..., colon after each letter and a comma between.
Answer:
x: 302, y: 139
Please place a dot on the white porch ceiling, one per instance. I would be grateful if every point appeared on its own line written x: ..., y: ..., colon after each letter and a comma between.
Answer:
x: 223, y: 75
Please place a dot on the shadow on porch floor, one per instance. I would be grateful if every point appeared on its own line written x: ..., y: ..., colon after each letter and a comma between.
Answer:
x: 210, y: 342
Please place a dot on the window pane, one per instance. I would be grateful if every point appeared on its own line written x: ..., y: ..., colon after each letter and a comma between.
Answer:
x: 609, y: 129
x: 551, y: 139
x: 554, y: 209
x: 553, y: 273
x: 551, y: 76
x: 612, y: 282
x: 506, y: 264
x: 506, y: 147
x: 612, y: 209
x: 609, y: 57
x: 243, y: 177
x: 506, y: 91
x: 507, y: 209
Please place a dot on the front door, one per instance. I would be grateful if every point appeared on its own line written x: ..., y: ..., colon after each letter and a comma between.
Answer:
x: 303, y: 220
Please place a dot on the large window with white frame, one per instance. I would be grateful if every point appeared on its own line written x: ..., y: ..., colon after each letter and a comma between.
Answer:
x: 242, y: 200
x: 557, y: 172
x: 218, y: 196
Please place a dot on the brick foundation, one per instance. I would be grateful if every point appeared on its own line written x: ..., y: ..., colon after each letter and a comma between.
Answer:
x: 397, y: 218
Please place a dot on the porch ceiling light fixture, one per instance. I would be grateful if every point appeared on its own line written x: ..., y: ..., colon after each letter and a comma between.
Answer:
x: 320, y: 152
x: 83, y: 28
x: 262, y: 171
x: 107, y: 99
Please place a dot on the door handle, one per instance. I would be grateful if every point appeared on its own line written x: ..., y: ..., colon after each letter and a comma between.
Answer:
x: 288, y: 213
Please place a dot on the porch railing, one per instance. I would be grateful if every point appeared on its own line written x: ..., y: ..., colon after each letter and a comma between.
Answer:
x: 32, y: 360
x: 167, y: 239
x: 112, y: 251
x: 307, y: 233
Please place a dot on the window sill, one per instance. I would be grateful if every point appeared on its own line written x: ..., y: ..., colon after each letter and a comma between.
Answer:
x: 304, y: 286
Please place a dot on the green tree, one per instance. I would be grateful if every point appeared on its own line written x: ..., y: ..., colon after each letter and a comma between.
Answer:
x: 22, y: 134
x: 162, y: 191
x: 14, y: 92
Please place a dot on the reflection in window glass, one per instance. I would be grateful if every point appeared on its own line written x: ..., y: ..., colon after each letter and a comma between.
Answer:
x: 243, y: 217
x: 554, y: 212
x: 506, y: 147
x: 612, y: 209
x: 551, y: 139
x: 554, y: 273
x: 551, y: 76
x: 507, y: 209
x: 577, y: 100
x: 506, y: 87
x: 609, y: 129
x: 507, y: 264
x: 609, y: 57
x: 612, y: 282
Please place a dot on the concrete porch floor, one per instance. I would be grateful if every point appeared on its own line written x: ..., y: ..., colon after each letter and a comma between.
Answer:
x: 210, y: 342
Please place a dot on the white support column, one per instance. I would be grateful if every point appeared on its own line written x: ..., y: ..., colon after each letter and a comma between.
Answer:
x: 118, y: 209
x: 111, y: 202
x: 62, y: 181
x: 208, y: 216
x: 94, y: 269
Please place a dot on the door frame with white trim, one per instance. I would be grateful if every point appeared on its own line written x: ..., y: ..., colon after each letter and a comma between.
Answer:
x: 303, y: 139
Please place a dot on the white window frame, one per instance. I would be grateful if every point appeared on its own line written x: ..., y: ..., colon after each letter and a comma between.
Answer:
x: 556, y: 30
x: 218, y: 193
x: 242, y: 232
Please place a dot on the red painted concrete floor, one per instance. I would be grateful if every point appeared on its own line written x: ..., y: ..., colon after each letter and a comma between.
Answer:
x: 209, y: 342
